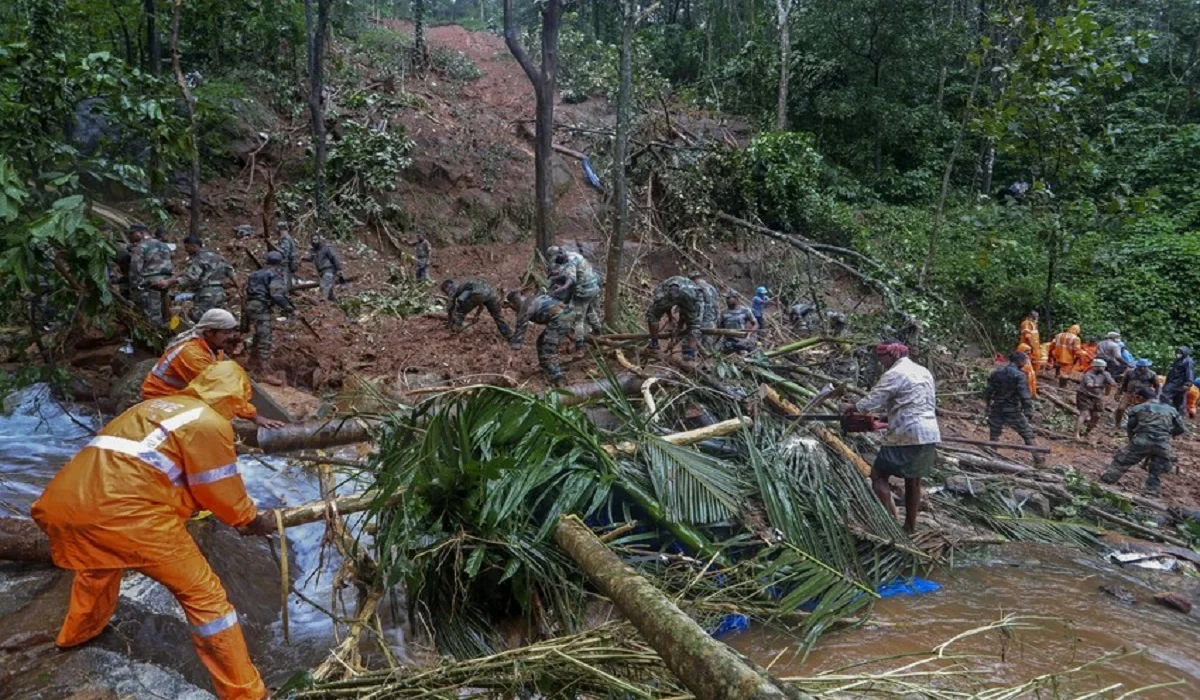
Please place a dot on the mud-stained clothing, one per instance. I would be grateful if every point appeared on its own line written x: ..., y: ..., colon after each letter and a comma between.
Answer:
x: 555, y: 315
x: 1150, y: 428
x: 471, y: 295
x: 265, y: 290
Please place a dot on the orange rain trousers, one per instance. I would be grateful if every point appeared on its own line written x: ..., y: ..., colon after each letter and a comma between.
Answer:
x: 1192, y: 397
x: 216, y: 633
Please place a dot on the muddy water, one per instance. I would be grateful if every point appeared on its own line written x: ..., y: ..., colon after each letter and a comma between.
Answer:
x: 1079, y: 624
x: 1061, y: 585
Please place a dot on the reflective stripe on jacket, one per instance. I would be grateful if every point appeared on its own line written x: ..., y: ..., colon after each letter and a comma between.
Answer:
x: 123, y: 500
x: 178, y: 366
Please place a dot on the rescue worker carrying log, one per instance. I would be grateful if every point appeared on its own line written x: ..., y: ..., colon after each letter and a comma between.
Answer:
x: 1180, y: 377
x: 545, y: 310
x: 265, y: 289
x: 473, y: 295
x: 1142, y: 377
x: 907, y: 394
x: 1094, y: 385
x: 681, y: 294
x: 1032, y: 337
x: 580, y: 286
x: 1150, y: 429
x: 122, y: 502
x: 1063, y: 353
x: 737, y: 317
x: 1010, y: 403
x: 193, y: 351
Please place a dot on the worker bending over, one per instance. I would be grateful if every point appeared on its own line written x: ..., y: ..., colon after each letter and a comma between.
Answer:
x: 122, y: 503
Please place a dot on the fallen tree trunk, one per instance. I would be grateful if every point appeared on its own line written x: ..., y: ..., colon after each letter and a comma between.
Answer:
x: 689, y: 437
x: 709, y: 669
x: 312, y: 435
x: 997, y: 445
x: 802, y: 344
x: 831, y: 441
x: 628, y: 384
x: 23, y: 540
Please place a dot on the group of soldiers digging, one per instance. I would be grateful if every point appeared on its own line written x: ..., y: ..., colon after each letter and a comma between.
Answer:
x: 148, y: 276
x: 1150, y: 406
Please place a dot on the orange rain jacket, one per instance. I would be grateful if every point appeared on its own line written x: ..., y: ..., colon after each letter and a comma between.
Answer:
x: 1027, y: 368
x: 1064, y: 348
x: 124, y: 499
x: 1193, y: 395
x: 1084, y: 357
x: 1031, y: 337
x: 178, y: 366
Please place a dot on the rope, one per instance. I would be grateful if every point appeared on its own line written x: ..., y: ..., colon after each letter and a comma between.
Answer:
x: 285, y: 586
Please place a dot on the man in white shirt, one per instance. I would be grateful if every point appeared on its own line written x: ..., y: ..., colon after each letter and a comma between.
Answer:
x: 906, y: 394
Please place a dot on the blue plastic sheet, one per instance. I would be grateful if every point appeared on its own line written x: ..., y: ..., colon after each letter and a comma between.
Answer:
x: 733, y: 623
x: 592, y: 178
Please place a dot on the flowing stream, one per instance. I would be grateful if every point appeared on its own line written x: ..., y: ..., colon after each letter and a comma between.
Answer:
x: 1076, y: 624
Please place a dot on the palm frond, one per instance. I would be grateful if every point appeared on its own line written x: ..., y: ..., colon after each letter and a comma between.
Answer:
x: 692, y: 486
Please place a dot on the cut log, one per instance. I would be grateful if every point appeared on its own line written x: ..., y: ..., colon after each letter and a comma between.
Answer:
x: 709, y: 669
x: 831, y: 441
x: 23, y: 540
x: 312, y: 435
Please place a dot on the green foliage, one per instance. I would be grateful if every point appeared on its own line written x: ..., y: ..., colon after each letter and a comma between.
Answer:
x: 590, y: 67
x: 482, y: 479
x: 454, y: 65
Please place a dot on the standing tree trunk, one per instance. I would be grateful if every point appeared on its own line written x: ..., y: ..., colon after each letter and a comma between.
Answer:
x: 783, y: 9
x: 940, y: 214
x: 420, y: 49
x: 316, y: 88
x: 152, y: 47
x: 543, y: 80
x: 190, y: 105
x: 616, y: 246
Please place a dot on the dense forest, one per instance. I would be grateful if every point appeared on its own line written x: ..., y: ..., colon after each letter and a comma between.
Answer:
x: 988, y: 156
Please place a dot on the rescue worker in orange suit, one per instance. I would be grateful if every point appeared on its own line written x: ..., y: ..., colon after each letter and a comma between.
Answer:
x: 1033, y: 338
x: 1193, y: 395
x: 1063, y: 352
x: 1087, y: 353
x: 122, y: 503
x: 189, y: 353
x: 1027, y: 368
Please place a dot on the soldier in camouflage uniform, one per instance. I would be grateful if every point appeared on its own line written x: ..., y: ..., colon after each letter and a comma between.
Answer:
x: 421, y: 255
x: 1150, y: 427
x: 329, y: 268
x: 264, y: 289
x: 582, y: 288
x: 207, y: 273
x: 152, y: 268
x: 709, y: 311
x: 737, y: 317
x: 287, y: 248
x: 473, y: 295
x: 681, y: 294
x: 1009, y: 402
x: 125, y: 282
x: 555, y: 315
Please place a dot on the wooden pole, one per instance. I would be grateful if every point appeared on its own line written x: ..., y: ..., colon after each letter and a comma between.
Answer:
x: 709, y: 669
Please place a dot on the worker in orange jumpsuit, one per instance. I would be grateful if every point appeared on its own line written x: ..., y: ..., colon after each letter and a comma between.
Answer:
x: 1193, y: 395
x: 122, y: 503
x: 190, y: 353
x: 1085, y: 355
x: 1032, y: 337
x: 1027, y: 368
x: 1063, y: 352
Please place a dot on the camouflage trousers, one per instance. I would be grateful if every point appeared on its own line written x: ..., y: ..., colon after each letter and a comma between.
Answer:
x: 422, y: 269
x: 459, y: 314
x: 151, y: 300
x: 547, y: 346
x: 1000, y: 418
x: 256, y: 317
x: 586, y: 314
x: 205, y: 299
x: 328, y: 277
x: 1161, y: 459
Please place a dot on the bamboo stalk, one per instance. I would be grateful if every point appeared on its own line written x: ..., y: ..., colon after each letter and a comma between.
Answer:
x: 802, y: 344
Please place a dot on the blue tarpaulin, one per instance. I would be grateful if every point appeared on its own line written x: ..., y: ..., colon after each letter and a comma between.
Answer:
x: 592, y: 179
